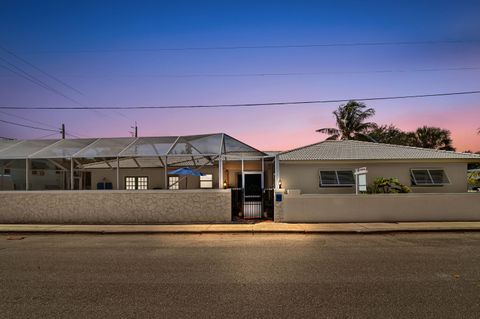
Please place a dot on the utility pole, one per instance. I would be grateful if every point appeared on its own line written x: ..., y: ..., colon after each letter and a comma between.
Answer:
x: 135, y: 132
x: 63, y: 131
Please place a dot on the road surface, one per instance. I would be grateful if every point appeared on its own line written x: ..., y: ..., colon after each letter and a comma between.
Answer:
x: 422, y: 275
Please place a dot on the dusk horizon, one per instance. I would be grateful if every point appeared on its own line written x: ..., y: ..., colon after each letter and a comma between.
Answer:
x: 157, y: 54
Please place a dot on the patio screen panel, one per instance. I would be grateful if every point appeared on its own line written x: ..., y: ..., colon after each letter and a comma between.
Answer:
x: 108, y: 147
x: 64, y: 148
x: 25, y: 148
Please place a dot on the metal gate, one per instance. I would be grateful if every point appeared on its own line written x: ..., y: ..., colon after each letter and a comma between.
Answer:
x: 252, y: 206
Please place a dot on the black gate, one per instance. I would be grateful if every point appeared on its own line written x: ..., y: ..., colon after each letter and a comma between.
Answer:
x: 252, y: 206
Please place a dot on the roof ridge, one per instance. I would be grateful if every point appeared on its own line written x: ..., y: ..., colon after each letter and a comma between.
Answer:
x: 408, y: 146
x: 305, y: 146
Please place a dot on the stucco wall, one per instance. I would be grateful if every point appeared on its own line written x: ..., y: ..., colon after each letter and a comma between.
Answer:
x: 305, y: 175
x: 314, y: 208
x: 116, y: 207
x: 156, y: 177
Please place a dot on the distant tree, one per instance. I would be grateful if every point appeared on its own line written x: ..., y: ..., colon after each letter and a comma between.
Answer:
x: 434, y: 137
x: 390, y: 134
x: 350, y: 121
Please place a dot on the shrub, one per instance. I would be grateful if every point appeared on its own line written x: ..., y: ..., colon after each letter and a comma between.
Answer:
x: 392, y: 185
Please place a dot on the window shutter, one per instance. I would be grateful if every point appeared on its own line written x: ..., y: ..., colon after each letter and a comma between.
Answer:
x: 328, y: 178
x: 438, y: 176
x: 421, y: 177
x: 345, y: 178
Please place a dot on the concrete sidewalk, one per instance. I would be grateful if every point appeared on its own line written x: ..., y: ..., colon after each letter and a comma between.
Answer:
x: 261, y: 227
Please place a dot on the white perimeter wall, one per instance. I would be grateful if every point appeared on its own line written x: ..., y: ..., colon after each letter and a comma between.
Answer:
x: 115, y: 207
x: 316, y: 208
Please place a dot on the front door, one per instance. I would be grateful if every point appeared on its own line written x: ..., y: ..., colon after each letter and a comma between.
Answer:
x: 253, y: 195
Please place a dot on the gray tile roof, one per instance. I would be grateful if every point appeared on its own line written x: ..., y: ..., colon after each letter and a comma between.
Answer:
x: 356, y: 150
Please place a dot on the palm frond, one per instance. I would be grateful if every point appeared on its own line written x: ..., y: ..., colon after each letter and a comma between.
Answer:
x: 328, y: 130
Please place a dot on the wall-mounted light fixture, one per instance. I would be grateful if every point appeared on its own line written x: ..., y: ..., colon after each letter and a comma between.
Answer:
x: 225, y: 183
x: 280, y: 183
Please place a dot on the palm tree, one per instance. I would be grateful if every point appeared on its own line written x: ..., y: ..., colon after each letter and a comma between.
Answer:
x: 434, y: 137
x: 389, y: 134
x: 351, y: 123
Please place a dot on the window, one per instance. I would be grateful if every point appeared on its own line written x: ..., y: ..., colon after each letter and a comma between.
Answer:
x: 173, y: 182
x: 206, y: 181
x: 136, y: 182
x: 6, y: 172
x: 422, y: 177
x: 336, y: 178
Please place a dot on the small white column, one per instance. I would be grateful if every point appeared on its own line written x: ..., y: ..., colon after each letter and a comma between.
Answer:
x: 166, y: 172
x: 72, y: 184
x: 263, y: 173
x: 243, y: 175
x: 118, y: 173
x: 220, y: 172
x: 277, y: 172
x: 27, y: 174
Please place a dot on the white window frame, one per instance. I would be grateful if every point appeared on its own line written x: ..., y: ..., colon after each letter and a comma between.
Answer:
x: 428, y: 169
x: 204, y: 180
x: 136, y: 184
x: 173, y: 182
x: 337, y: 184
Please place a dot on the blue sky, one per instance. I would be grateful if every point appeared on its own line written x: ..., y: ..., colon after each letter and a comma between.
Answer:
x: 101, y: 49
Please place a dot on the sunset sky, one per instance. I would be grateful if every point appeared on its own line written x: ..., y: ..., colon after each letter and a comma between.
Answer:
x: 109, y: 53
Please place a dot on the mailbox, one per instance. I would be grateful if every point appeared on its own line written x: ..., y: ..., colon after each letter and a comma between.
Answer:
x: 278, y: 197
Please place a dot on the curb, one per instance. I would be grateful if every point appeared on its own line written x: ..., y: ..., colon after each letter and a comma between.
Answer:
x: 201, y: 232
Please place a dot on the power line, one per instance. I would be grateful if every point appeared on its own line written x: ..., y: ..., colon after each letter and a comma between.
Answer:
x: 243, y: 47
x: 26, y: 119
x: 240, y: 104
x: 24, y: 74
x: 40, y: 70
x: 266, y: 74
x: 41, y: 123
x: 28, y: 126
x: 48, y: 135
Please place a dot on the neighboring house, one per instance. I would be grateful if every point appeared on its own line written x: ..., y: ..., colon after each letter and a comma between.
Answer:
x: 327, y: 167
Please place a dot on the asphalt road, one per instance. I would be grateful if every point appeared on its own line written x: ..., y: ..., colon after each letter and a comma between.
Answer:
x: 419, y: 275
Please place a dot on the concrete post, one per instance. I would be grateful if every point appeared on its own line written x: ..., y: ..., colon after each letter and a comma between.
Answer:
x: 220, y: 172
x: 27, y: 174
x: 166, y: 172
x: 277, y: 172
x: 118, y: 173
x: 72, y: 184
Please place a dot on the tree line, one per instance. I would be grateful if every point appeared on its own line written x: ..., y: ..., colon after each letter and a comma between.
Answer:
x: 352, y: 124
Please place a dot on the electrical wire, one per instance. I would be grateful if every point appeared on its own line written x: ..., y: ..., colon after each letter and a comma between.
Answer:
x: 282, y: 103
x: 268, y: 74
x: 48, y: 135
x: 40, y: 70
x: 22, y: 73
x: 243, y: 47
x: 26, y: 119
x: 28, y: 126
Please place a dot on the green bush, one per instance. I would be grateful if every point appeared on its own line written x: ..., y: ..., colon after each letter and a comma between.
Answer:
x: 392, y: 185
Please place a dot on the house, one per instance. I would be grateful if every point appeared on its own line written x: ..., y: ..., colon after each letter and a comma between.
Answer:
x: 135, y: 180
x: 327, y: 167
